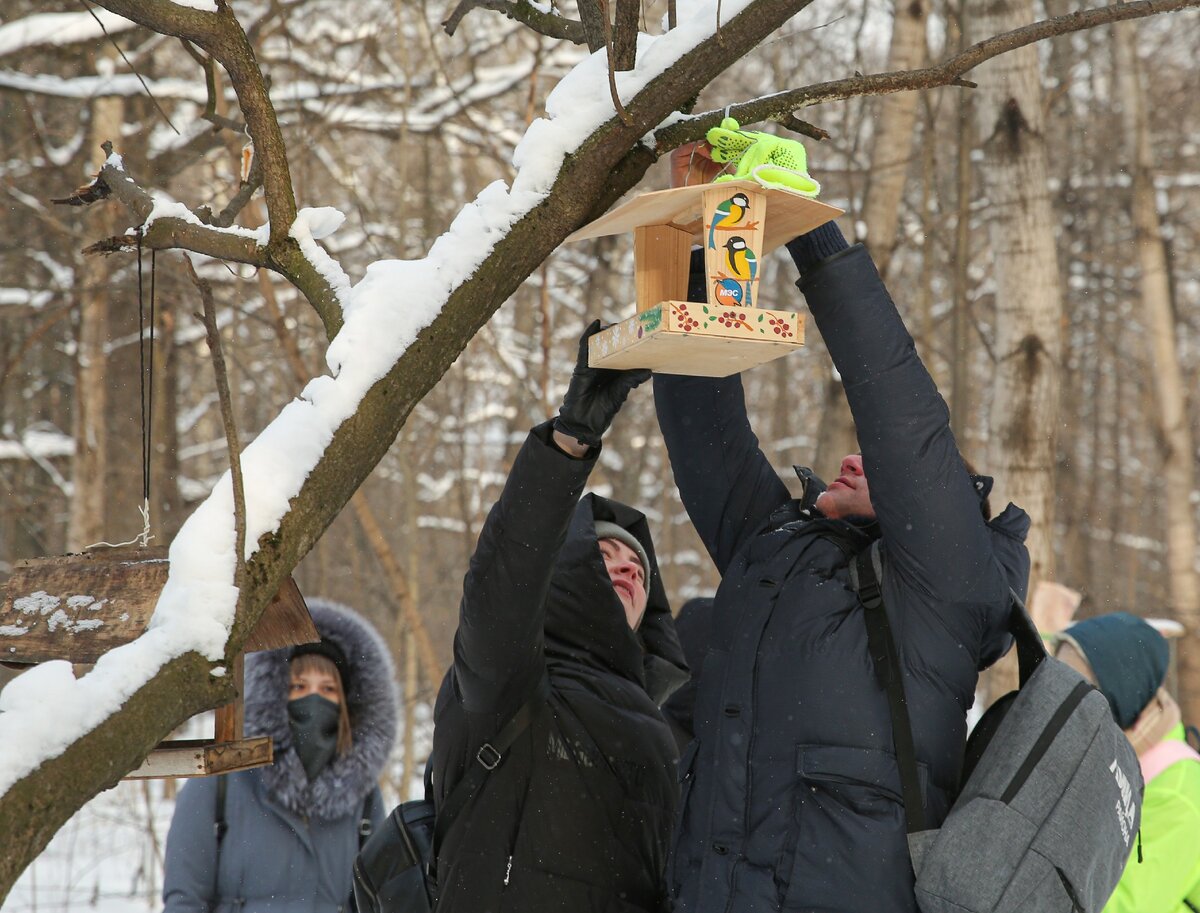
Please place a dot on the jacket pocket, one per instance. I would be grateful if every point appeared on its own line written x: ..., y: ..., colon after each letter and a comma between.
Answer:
x: 680, y: 859
x: 846, y: 808
x: 864, y: 779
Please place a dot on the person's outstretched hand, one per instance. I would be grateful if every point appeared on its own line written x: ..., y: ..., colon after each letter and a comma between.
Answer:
x: 594, y: 396
x: 692, y: 163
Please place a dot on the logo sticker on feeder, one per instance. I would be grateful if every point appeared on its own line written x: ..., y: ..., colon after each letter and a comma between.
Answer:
x: 728, y: 292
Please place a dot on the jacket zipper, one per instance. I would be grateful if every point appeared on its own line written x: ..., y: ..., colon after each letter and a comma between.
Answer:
x: 361, y: 880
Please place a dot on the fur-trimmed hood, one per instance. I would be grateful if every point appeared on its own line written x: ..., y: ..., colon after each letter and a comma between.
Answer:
x: 371, y: 700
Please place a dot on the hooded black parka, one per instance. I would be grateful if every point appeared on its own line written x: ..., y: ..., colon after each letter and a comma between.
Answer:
x: 791, y: 794
x: 577, y: 816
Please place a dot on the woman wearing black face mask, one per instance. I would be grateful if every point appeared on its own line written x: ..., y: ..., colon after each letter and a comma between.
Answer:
x: 291, y: 831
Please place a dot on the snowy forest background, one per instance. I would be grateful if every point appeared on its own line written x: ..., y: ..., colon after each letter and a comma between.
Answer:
x: 396, y: 123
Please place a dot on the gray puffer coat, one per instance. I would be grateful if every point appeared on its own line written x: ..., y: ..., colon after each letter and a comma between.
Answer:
x: 290, y: 843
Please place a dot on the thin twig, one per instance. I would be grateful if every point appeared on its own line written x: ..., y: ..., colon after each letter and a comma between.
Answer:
x: 213, y: 338
x: 239, y: 200
x: 612, y: 73
x: 947, y: 73
x: 132, y: 68
x: 803, y: 127
x: 549, y: 24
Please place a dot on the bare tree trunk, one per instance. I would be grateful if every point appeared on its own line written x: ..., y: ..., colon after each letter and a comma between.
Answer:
x: 891, y: 153
x: 1174, y: 425
x: 89, y: 471
x: 891, y: 150
x: 964, y: 179
x: 1029, y: 306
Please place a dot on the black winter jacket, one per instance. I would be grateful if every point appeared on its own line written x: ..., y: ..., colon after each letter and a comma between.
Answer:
x: 791, y: 794
x: 577, y: 817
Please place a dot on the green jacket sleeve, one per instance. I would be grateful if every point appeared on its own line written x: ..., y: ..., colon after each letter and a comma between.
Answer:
x: 1169, y: 871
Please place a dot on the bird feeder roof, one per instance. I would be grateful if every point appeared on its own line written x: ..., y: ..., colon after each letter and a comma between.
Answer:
x: 682, y: 207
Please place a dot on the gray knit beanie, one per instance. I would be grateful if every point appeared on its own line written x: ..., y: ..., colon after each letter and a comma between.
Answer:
x: 607, y: 530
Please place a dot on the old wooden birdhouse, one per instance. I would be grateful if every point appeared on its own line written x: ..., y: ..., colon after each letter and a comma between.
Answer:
x: 731, y: 331
x: 78, y: 607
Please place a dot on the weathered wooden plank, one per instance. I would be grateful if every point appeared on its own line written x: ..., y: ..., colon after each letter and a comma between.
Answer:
x: 229, y: 718
x: 284, y: 623
x: 78, y: 607
x: 204, y: 758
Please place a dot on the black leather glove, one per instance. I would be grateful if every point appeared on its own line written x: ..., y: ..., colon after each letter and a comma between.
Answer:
x: 594, y: 396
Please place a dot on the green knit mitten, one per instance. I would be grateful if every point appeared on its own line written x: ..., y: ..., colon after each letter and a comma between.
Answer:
x: 762, y: 157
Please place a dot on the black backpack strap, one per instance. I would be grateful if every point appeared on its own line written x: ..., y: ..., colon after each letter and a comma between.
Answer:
x: 1031, y: 649
x: 219, y: 824
x: 866, y: 574
x: 365, y: 827
x: 487, y: 759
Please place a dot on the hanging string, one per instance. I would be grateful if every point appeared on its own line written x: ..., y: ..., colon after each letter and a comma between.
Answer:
x: 142, y: 367
x: 148, y: 432
x: 146, y: 389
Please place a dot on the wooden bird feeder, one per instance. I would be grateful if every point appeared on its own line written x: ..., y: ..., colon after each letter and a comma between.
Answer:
x: 78, y: 607
x: 731, y: 331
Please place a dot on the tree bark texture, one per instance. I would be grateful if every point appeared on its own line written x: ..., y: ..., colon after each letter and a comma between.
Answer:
x: 90, y: 420
x: 891, y: 149
x: 1175, y: 429
x: 1029, y: 310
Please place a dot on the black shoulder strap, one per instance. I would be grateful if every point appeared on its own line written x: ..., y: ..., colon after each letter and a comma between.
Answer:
x: 219, y: 825
x: 488, y: 758
x: 866, y: 576
x: 365, y: 827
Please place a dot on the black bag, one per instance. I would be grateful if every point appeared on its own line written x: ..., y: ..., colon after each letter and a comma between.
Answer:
x: 394, y: 871
x: 391, y: 871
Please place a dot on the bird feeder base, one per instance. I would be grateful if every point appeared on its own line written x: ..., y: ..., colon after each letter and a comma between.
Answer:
x: 697, y: 339
x: 204, y: 758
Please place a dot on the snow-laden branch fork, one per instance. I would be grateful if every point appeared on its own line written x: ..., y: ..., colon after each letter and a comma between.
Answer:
x: 65, y: 738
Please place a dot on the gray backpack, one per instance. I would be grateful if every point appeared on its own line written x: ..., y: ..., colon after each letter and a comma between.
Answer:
x: 1052, y: 791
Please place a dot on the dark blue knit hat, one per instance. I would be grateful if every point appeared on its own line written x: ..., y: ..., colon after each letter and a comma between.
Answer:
x: 1128, y: 657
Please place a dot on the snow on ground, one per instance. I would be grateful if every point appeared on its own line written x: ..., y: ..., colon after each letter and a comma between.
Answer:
x: 106, y: 859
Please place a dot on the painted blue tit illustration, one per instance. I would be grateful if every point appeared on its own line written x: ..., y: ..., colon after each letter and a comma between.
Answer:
x: 739, y: 259
x: 741, y: 263
x: 728, y: 214
x: 728, y: 292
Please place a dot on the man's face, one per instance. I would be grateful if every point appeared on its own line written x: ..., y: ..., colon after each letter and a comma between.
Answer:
x: 628, y: 578
x: 847, y: 495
